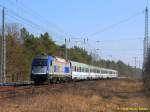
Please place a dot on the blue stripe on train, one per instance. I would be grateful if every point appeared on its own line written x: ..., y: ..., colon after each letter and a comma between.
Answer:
x: 66, y: 69
x: 50, y: 59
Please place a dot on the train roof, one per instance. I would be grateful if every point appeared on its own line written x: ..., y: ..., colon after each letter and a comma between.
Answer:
x: 74, y: 63
x: 41, y: 57
x: 44, y: 57
x: 78, y: 64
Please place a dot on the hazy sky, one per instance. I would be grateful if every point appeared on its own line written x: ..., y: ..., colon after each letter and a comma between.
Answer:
x: 97, y: 20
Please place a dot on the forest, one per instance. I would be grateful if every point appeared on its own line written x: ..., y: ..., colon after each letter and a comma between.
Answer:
x: 22, y: 49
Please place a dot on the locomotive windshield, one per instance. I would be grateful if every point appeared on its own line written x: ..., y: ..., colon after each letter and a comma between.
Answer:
x: 39, y: 62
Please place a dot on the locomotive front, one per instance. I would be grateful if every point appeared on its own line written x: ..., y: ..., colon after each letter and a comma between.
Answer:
x: 40, y: 68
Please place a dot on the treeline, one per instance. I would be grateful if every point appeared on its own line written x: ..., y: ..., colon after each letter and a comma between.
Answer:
x: 20, y: 52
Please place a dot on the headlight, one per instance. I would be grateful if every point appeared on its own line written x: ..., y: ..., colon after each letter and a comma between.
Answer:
x: 47, y: 72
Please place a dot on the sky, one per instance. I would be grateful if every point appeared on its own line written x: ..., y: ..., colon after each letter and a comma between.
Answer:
x: 114, y: 29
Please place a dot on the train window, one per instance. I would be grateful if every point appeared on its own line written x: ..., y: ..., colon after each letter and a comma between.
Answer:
x: 87, y: 70
x: 72, y: 68
x: 39, y: 62
x: 99, y: 71
x: 91, y: 70
x: 94, y: 70
x: 104, y: 72
x: 79, y: 69
x: 55, y: 68
x: 82, y: 69
x: 75, y: 68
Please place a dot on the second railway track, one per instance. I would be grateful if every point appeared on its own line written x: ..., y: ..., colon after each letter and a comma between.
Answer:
x: 14, y: 91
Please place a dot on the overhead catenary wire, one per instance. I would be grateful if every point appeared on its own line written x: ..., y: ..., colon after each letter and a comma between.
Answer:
x: 121, y: 39
x: 116, y: 24
x: 42, y: 19
x: 21, y: 22
x: 146, y: 3
x: 27, y: 21
x: 30, y: 22
x: 113, y: 26
x: 36, y: 14
x: 123, y: 50
x: 41, y: 28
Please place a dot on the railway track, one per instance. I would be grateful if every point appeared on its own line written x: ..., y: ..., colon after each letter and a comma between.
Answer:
x: 20, y: 90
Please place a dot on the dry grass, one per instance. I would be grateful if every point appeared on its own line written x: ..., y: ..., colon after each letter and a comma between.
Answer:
x: 87, y: 96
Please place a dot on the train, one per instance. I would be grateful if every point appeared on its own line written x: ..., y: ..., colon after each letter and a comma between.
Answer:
x: 52, y: 69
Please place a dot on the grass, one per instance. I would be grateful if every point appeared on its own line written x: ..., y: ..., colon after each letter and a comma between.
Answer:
x: 86, y: 96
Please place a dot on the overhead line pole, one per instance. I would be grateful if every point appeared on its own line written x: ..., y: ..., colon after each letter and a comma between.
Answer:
x: 66, y: 49
x: 135, y: 59
x: 146, y: 36
x: 146, y: 31
x: 3, y: 57
x: 146, y: 44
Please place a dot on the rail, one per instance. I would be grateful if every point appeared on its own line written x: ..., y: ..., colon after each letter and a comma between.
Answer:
x: 13, y: 91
